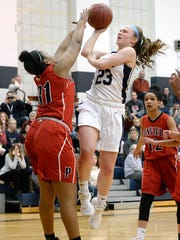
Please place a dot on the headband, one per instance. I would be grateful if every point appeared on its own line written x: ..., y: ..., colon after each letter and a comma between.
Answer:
x: 135, y: 30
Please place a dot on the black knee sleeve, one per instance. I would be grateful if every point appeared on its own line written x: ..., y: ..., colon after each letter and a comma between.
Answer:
x: 145, y: 205
x: 178, y: 212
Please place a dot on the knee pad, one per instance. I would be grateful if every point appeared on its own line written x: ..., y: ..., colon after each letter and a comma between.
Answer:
x: 145, y: 205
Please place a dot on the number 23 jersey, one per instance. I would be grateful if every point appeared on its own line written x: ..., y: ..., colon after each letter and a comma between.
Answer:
x: 154, y: 129
x: 110, y: 85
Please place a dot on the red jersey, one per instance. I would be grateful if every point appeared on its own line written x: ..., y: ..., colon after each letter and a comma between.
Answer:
x: 55, y: 96
x: 154, y: 129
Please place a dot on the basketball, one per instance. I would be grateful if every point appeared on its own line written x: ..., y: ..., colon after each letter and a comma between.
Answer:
x: 100, y: 15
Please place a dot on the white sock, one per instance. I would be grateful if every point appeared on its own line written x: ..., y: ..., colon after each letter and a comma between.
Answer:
x: 141, y: 232
x: 83, y: 186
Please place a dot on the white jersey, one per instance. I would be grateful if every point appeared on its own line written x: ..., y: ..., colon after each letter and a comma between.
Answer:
x: 109, y: 86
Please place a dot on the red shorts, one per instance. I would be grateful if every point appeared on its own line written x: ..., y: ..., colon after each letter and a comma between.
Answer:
x: 159, y: 175
x: 50, y: 149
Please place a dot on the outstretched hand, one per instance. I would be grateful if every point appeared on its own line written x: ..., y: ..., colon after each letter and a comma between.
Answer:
x: 175, y: 76
x: 174, y: 81
x: 83, y: 16
x: 138, y: 151
x: 150, y: 141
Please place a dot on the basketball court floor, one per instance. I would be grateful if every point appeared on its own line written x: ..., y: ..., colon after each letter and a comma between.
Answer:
x: 116, y: 224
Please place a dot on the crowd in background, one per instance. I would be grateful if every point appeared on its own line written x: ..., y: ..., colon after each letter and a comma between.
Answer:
x: 17, y: 114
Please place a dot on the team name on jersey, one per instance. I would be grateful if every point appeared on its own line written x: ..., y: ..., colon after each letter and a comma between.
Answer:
x: 153, y: 131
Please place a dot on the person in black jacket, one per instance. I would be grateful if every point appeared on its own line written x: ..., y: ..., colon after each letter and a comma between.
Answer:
x: 14, y: 108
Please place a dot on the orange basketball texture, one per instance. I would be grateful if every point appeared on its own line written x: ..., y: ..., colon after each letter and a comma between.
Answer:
x: 100, y: 15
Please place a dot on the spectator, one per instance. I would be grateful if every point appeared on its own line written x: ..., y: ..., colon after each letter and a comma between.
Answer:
x: 132, y: 139
x: 5, y: 119
x: 12, y: 133
x: 32, y: 117
x: 16, y: 87
x: 3, y: 142
x: 140, y: 85
x: 175, y: 113
x: 13, y: 171
x: 135, y: 106
x: 163, y: 107
x: 14, y: 108
x: 29, y: 169
x: 169, y: 98
x: 24, y: 132
x: 133, y: 166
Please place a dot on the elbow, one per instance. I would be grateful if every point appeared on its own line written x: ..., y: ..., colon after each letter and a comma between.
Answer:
x: 102, y: 65
x: 84, y: 53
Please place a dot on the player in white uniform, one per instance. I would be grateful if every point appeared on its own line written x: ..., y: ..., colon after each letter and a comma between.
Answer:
x: 105, y: 100
x: 100, y: 116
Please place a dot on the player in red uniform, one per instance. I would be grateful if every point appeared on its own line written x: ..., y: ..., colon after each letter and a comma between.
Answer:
x: 48, y: 141
x: 160, y: 164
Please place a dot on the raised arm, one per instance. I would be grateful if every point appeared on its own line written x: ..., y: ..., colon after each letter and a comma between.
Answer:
x: 90, y: 43
x: 67, y: 59
x: 63, y: 46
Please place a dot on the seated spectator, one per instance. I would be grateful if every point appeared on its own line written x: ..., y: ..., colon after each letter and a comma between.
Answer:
x: 135, y: 106
x: 175, y: 113
x: 163, y: 107
x: 23, y: 132
x: 29, y: 168
x: 5, y: 119
x: 32, y: 117
x: 133, y: 166
x: 132, y: 139
x: 14, y: 108
x: 12, y: 134
x: 140, y: 85
x: 133, y: 169
x: 3, y: 142
x: 137, y: 124
x: 13, y: 171
x: 169, y: 98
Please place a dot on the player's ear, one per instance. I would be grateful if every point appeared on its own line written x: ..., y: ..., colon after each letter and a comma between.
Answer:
x: 134, y: 40
x: 47, y: 61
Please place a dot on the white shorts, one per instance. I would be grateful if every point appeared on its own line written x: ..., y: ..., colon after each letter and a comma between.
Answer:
x: 108, y: 120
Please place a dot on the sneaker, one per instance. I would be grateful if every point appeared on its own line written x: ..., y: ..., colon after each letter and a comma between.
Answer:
x: 95, y: 219
x: 137, y: 238
x: 87, y: 208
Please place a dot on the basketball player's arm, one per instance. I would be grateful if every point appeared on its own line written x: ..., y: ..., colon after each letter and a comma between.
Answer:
x: 172, y: 134
x: 125, y: 56
x: 66, y: 60
x: 90, y: 43
x: 139, y: 148
x: 174, y: 81
x: 166, y: 134
x: 63, y: 46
